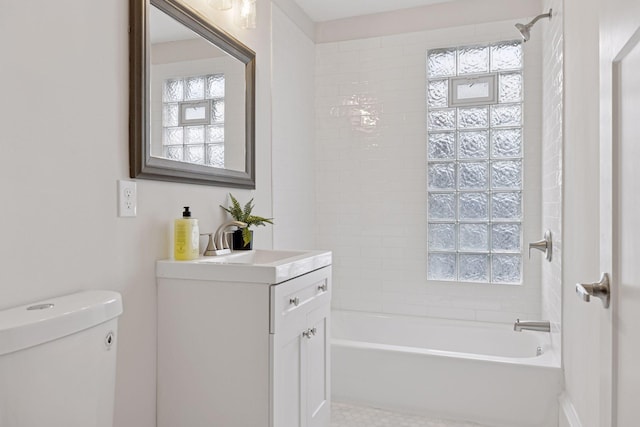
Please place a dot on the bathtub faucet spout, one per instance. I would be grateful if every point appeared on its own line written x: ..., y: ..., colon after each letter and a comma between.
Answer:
x: 532, y: 325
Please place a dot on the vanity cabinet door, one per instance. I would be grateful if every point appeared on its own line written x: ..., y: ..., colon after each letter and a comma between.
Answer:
x: 300, y: 350
x: 316, y: 356
x: 301, y: 372
x: 288, y: 409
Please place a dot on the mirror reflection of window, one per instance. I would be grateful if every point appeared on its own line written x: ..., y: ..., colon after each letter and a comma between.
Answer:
x: 193, y: 119
x: 197, y: 98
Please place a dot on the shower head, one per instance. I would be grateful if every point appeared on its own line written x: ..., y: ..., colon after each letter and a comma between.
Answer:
x: 525, y: 30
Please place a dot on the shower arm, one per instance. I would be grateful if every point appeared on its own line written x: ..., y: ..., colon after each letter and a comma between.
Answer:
x: 539, y: 17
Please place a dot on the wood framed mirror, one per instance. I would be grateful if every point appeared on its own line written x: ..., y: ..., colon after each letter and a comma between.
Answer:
x: 191, y: 98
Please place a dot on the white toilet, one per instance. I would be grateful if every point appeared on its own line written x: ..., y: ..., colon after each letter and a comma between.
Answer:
x: 58, y: 361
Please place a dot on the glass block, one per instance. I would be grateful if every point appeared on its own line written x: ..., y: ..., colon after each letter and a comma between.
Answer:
x: 194, y: 88
x: 506, y: 56
x: 215, y: 155
x: 474, y: 237
x: 217, y: 111
x: 215, y: 134
x: 505, y: 237
x: 170, y: 113
x: 473, y: 206
x: 506, y: 115
x: 506, y: 174
x: 506, y: 205
x: 172, y: 136
x: 173, y: 90
x: 194, y: 153
x: 441, y: 267
x: 473, y: 268
x: 510, y: 87
x: 473, y: 175
x: 442, y: 206
x: 194, y: 134
x: 442, y: 119
x: 441, y: 63
x: 215, y: 86
x: 473, y: 59
x: 438, y: 94
x: 173, y: 152
x: 473, y: 118
x: 442, y: 237
x: 506, y: 269
x: 506, y: 143
x: 441, y: 146
x: 473, y: 144
x: 441, y: 176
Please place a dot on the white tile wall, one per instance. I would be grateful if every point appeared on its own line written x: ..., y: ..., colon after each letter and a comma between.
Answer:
x: 552, y: 92
x: 371, y: 177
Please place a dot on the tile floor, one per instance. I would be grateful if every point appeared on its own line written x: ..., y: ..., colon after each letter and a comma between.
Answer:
x: 345, y: 415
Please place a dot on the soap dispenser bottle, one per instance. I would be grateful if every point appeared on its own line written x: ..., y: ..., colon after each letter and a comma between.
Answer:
x: 186, y: 237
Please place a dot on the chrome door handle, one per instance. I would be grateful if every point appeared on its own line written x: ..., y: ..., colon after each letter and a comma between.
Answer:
x: 545, y: 245
x: 601, y: 289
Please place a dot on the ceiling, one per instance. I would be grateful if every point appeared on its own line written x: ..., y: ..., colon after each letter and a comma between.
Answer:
x: 163, y: 28
x: 327, y: 10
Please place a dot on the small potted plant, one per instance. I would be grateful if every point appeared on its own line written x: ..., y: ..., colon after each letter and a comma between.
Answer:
x: 243, y: 238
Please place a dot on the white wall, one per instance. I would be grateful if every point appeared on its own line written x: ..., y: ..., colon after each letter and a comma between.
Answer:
x: 551, y: 32
x: 371, y: 181
x: 293, y: 134
x: 431, y: 17
x: 64, y: 119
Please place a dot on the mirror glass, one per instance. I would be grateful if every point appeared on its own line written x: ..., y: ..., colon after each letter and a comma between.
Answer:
x: 197, y: 124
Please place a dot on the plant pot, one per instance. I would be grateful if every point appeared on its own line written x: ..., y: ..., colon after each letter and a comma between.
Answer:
x: 238, y: 243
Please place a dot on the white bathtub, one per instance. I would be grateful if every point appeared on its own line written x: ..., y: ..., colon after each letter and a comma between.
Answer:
x: 482, y: 372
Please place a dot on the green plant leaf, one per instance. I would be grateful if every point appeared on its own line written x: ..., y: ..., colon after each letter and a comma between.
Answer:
x: 235, y: 210
x: 248, y: 208
x: 246, y: 236
x: 243, y: 214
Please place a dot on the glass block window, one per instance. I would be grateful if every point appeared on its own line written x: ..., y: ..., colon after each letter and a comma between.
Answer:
x: 475, y: 167
x: 193, y: 119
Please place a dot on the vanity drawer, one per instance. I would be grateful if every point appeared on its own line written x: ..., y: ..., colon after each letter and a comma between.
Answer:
x: 295, y: 298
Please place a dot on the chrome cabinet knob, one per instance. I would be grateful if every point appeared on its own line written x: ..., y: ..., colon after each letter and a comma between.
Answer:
x: 294, y: 301
x: 323, y: 287
x: 309, y: 333
x: 601, y: 289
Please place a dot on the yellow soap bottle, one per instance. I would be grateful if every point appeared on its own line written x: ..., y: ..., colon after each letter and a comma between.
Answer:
x: 186, y: 237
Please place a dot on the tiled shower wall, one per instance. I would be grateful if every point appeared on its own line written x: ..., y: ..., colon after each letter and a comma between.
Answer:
x: 552, y: 93
x: 371, y: 177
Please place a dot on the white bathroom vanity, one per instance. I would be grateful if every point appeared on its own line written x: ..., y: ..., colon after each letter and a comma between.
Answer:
x: 243, y: 340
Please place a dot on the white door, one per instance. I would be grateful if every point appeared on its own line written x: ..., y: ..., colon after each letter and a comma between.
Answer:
x: 620, y: 210
x: 626, y: 233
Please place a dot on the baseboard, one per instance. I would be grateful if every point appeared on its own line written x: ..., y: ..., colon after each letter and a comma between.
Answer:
x: 567, y: 414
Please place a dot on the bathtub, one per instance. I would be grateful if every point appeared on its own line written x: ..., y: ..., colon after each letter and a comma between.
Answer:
x: 482, y: 372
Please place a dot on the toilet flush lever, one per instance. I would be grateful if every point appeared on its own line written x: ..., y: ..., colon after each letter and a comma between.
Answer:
x: 545, y: 245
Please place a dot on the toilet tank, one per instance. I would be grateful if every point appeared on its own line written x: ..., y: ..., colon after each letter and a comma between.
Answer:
x: 58, y: 361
